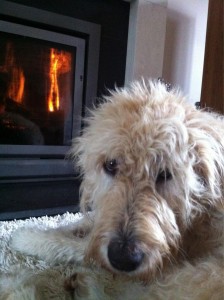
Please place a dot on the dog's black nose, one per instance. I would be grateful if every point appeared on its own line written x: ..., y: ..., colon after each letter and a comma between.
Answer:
x: 124, y: 255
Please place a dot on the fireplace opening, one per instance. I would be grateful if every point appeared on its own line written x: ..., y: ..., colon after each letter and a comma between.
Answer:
x: 42, y: 81
x: 36, y: 87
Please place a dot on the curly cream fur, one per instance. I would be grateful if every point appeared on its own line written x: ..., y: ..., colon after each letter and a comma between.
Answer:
x: 177, y: 223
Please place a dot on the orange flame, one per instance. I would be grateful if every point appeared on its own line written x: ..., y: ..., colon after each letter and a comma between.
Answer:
x: 60, y: 62
x: 16, y: 88
x: 17, y: 78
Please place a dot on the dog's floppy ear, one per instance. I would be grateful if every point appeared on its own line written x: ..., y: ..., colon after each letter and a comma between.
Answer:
x: 206, y: 132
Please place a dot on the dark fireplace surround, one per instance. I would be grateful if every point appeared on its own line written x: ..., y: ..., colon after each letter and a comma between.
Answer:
x: 36, y: 174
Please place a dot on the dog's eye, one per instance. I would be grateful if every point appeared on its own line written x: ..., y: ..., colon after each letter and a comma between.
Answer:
x: 110, y: 167
x: 163, y: 175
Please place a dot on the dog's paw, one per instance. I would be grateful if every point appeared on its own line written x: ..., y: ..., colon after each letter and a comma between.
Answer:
x: 71, y: 283
x: 82, y: 229
x: 80, y: 232
x: 77, y: 285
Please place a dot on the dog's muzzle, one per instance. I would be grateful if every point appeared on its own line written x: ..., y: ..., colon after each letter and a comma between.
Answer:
x: 124, y: 255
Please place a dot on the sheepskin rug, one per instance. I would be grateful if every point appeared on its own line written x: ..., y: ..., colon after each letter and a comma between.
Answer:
x: 49, y: 280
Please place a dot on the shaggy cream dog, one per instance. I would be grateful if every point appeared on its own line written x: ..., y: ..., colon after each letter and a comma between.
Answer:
x: 153, y: 179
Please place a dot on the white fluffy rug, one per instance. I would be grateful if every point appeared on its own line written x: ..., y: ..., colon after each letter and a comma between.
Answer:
x: 49, y: 280
x: 27, y: 278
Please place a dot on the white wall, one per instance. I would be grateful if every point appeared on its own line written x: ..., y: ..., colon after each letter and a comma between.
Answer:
x: 146, y: 39
x: 185, y: 45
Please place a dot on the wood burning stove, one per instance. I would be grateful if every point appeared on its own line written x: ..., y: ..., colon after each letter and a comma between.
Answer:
x: 47, y: 78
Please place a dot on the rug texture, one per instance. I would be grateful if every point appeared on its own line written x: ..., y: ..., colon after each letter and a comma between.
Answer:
x: 42, y: 281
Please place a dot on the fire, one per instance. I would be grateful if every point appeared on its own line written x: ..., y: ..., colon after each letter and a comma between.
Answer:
x: 60, y: 62
x: 16, y: 88
x: 17, y: 78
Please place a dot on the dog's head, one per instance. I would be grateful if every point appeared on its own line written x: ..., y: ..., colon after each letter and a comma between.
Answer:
x: 151, y: 163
